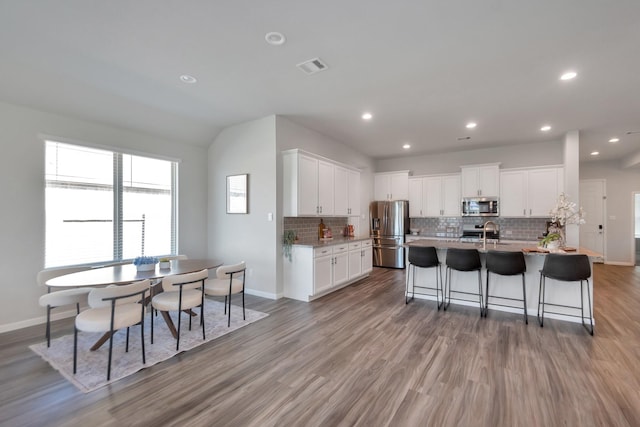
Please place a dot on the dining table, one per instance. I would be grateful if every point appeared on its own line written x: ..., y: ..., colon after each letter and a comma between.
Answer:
x: 123, y: 274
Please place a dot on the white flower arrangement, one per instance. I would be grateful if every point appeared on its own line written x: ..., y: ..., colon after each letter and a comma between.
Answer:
x: 565, y: 212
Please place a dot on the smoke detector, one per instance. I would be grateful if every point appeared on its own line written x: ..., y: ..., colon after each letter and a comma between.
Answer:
x: 312, y: 66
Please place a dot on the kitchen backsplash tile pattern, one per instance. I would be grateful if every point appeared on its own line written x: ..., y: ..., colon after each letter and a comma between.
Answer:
x: 510, y: 228
x: 307, y: 227
x: 519, y: 228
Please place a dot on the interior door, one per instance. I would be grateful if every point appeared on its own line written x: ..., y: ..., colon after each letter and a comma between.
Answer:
x: 592, y: 200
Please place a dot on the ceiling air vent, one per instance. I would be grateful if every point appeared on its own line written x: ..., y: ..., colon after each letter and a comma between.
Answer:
x: 312, y: 66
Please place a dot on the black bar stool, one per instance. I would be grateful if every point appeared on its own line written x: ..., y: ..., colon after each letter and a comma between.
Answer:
x: 506, y: 263
x: 463, y: 260
x: 423, y: 257
x: 566, y: 268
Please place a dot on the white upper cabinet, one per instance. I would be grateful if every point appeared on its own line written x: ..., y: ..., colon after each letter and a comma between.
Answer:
x: 325, y: 188
x: 481, y: 180
x: 315, y: 186
x: 391, y: 186
x: 544, y: 187
x: 434, y: 196
x: 530, y: 192
x: 353, y: 186
x: 451, y: 199
x: 415, y: 197
x: 347, y: 192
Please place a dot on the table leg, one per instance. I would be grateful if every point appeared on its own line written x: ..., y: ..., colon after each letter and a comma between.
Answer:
x: 103, y: 339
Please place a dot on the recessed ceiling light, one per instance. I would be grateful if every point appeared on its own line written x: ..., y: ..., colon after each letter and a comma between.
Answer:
x: 568, y: 75
x: 545, y: 128
x: 274, y: 38
x: 406, y: 146
x: 614, y: 140
x: 367, y: 116
x: 471, y: 125
x: 186, y: 78
x: 595, y: 153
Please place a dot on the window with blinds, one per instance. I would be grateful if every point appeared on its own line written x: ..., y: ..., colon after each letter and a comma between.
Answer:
x: 105, y: 206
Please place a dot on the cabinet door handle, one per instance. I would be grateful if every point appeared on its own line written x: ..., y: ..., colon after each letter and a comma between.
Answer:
x: 530, y: 212
x: 524, y: 212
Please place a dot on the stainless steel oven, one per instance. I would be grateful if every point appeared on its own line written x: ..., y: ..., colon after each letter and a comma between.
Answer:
x: 480, y: 206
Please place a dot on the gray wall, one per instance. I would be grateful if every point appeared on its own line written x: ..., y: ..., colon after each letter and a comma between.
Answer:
x: 620, y: 185
x: 22, y: 192
x: 518, y: 156
x: 247, y: 148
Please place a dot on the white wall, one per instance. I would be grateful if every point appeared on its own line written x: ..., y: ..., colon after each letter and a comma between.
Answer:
x: 515, y: 156
x: 247, y: 148
x: 22, y: 192
x: 571, y: 156
x: 291, y: 135
x: 621, y: 183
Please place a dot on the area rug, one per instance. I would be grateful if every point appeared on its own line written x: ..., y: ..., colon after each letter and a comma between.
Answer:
x: 92, y: 365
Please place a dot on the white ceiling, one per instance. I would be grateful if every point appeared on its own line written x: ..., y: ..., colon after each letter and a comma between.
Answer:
x: 423, y: 68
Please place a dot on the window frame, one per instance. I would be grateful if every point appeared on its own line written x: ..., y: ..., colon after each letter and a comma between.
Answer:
x: 118, y: 193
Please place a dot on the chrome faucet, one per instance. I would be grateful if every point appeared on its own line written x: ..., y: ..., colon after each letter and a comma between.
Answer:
x: 484, y: 233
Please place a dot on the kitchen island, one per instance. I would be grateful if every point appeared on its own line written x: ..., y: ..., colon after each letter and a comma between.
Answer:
x: 509, y: 286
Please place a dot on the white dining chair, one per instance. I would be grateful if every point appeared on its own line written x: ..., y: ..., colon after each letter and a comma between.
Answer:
x: 54, y: 299
x: 113, y: 308
x: 229, y: 280
x: 181, y: 292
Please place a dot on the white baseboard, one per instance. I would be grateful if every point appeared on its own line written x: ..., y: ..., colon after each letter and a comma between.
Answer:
x: 7, y: 327
x: 269, y: 295
x: 626, y: 264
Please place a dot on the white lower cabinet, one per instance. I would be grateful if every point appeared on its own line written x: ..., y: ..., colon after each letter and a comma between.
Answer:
x: 313, y: 272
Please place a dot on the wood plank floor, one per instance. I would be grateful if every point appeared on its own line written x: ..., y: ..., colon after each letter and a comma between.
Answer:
x: 361, y: 357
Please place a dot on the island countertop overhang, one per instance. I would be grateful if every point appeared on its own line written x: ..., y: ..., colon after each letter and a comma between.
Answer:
x: 531, y: 249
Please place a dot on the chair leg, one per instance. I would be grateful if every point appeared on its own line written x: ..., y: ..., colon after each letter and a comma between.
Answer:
x: 524, y: 299
x: 406, y: 284
x: 541, y: 297
x: 244, y: 317
x: 144, y: 361
x: 486, y: 301
x: 48, y: 331
x: 110, y: 354
x: 75, y: 348
x: 439, y: 287
x: 590, y: 330
x: 480, y: 293
x: 152, y: 310
x: 126, y: 347
x: 178, y: 334
x: 225, y: 304
x: 202, y: 316
x: 229, y: 314
x: 447, y: 288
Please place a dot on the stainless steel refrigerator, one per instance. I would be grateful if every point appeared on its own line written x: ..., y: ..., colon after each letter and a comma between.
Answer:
x: 388, y: 224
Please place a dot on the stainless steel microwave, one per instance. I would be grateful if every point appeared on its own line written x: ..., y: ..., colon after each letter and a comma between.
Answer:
x: 480, y: 206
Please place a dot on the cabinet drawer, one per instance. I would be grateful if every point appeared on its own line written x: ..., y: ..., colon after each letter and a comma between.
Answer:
x: 367, y: 243
x: 324, y: 251
x: 340, y: 248
x: 355, y: 245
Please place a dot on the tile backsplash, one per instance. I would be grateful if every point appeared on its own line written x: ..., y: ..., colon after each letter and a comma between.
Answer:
x: 307, y: 227
x: 510, y: 228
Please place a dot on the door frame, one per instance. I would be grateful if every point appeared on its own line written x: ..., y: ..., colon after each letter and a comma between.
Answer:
x: 633, y: 226
x: 605, y: 231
